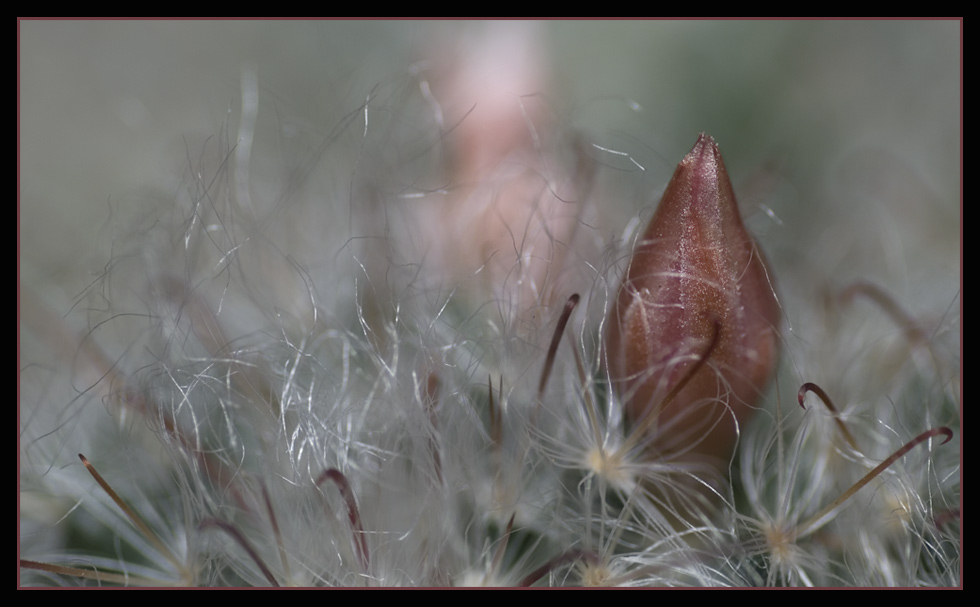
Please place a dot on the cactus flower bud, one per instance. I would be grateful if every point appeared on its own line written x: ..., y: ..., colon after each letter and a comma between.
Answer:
x: 692, y: 337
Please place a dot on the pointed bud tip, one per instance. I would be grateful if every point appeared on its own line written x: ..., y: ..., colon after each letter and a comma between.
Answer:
x: 704, y: 145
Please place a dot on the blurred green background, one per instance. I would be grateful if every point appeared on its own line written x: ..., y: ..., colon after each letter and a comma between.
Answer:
x: 849, y: 131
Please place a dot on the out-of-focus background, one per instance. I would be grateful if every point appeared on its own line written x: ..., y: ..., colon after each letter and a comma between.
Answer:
x: 849, y: 131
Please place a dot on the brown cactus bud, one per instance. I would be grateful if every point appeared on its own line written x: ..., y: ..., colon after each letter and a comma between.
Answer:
x: 692, y: 337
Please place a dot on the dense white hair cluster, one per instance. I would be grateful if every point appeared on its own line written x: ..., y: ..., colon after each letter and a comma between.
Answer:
x: 360, y: 344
